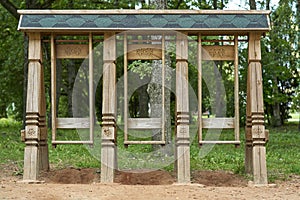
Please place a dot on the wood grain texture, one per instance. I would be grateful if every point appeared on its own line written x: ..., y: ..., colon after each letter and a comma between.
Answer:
x: 218, y: 52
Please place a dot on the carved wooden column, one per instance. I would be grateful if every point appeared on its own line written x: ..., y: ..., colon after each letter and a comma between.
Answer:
x: 255, y: 156
x: 108, y: 146
x: 35, y: 135
x: 182, y: 111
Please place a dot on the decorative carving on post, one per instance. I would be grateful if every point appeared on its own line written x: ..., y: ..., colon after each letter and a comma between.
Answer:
x: 255, y: 156
x: 182, y: 111
x: 108, y: 144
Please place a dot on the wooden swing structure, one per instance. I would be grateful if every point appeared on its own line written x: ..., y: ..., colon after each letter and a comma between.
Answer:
x: 50, y: 25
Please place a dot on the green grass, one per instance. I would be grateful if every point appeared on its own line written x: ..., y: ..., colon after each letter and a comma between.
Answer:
x: 283, y: 158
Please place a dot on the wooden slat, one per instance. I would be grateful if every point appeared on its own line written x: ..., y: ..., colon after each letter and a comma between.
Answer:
x: 144, y: 52
x: 143, y: 142
x: 72, y: 123
x: 218, y: 123
x: 144, y: 123
x: 217, y: 52
x: 71, y: 142
x: 219, y: 142
x: 75, y: 51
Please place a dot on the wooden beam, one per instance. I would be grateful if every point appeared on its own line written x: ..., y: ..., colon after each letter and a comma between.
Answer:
x: 220, y: 142
x: 128, y: 142
x: 144, y: 123
x: 182, y: 111
x: 218, y: 123
x: 199, y: 58
x: 218, y: 52
x: 141, y: 11
x: 72, y: 123
x: 144, y: 52
x: 53, y: 87
x: 91, y: 88
x: 108, y: 146
x: 74, y: 51
x: 125, y: 67
x: 72, y: 142
x: 236, y: 91
x: 36, y: 150
x: 255, y: 132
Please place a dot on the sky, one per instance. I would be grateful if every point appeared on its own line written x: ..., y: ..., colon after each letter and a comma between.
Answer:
x: 243, y: 4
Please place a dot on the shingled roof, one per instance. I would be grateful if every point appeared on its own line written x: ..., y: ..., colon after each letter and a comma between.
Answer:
x: 122, y: 20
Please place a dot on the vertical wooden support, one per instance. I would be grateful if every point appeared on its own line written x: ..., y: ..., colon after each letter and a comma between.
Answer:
x: 53, y: 88
x: 199, y: 87
x: 255, y: 160
x: 36, y: 150
x: 108, y: 146
x: 125, y: 89
x: 91, y: 88
x: 182, y: 111
x: 163, y: 63
x: 236, y: 91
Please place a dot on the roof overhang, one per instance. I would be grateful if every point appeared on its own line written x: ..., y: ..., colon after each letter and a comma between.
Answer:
x: 225, y: 21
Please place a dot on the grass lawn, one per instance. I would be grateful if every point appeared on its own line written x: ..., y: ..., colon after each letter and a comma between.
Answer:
x: 283, y: 157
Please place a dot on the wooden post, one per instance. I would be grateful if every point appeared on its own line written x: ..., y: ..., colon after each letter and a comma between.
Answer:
x: 255, y: 158
x: 182, y: 111
x: 108, y: 147
x: 36, y: 150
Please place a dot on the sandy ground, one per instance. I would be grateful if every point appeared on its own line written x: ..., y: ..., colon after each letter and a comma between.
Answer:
x: 78, y: 184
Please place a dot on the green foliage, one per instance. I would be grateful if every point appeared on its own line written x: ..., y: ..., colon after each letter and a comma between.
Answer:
x: 10, y: 144
x: 280, y: 61
x: 11, y: 67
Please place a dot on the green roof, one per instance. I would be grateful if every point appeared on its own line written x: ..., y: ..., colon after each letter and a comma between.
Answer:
x: 41, y: 20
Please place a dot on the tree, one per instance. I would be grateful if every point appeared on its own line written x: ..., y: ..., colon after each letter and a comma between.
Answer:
x: 280, y: 62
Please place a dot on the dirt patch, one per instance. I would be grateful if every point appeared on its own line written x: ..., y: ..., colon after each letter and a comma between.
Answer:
x: 218, y: 179
x: 143, y: 177
x: 71, y: 176
x: 145, y: 185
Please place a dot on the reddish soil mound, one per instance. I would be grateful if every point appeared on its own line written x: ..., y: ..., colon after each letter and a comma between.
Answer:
x: 143, y: 177
x: 71, y: 176
x: 218, y: 178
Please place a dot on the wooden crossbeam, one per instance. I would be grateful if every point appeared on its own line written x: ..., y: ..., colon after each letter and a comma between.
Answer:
x: 220, y: 142
x: 218, y: 52
x: 72, y: 123
x: 144, y: 123
x: 72, y: 142
x: 218, y: 123
x: 144, y: 52
x: 74, y: 51
x: 144, y: 142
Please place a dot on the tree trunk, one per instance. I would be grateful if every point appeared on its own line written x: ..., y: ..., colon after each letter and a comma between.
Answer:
x: 71, y: 78
x: 252, y: 4
x: 155, y: 91
x: 276, y: 119
x: 268, y: 4
x: 143, y: 101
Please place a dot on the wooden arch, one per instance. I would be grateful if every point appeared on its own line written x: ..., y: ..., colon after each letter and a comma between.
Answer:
x: 38, y: 24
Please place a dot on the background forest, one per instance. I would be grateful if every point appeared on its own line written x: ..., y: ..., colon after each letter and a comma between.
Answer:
x: 280, y: 52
